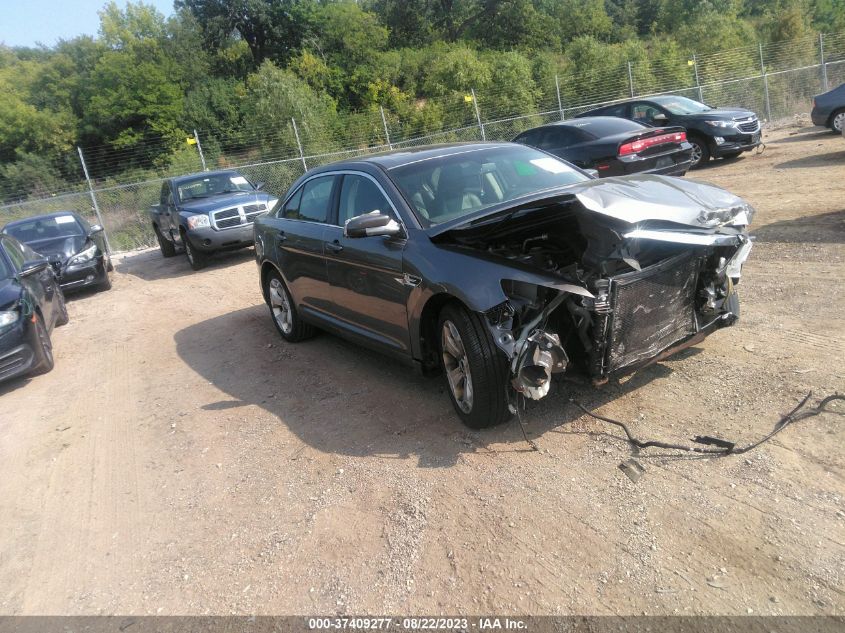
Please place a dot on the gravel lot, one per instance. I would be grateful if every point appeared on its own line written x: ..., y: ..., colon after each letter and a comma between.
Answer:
x: 182, y: 459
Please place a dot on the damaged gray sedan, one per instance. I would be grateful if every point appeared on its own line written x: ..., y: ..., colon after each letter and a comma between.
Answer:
x: 502, y: 265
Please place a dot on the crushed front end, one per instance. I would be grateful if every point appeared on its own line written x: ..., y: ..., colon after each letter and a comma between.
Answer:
x: 617, y: 286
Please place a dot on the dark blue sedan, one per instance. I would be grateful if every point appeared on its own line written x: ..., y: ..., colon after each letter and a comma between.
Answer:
x: 31, y: 304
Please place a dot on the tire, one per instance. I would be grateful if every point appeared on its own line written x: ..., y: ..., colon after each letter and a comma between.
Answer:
x: 476, y: 372
x: 110, y: 266
x: 43, y: 348
x: 837, y: 121
x: 105, y: 283
x: 283, y: 310
x: 700, y: 151
x: 166, y: 246
x: 196, y: 258
x: 732, y: 304
x: 63, y: 317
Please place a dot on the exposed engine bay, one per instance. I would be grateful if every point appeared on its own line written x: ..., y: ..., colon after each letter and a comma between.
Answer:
x: 631, y: 292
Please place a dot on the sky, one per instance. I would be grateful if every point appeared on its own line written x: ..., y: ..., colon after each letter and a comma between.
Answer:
x: 28, y: 22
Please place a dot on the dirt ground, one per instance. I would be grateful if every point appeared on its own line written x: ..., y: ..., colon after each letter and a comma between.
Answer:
x: 182, y: 459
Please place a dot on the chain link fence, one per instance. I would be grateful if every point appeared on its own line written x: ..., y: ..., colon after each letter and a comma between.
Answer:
x: 777, y: 81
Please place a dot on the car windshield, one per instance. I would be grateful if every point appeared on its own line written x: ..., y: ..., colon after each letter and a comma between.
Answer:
x: 212, y: 185
x: 468, y: 180
x: 49, y: 228
x: 681, y: 105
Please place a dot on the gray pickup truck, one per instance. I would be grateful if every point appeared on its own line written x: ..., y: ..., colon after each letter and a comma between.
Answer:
x: 207, y: 212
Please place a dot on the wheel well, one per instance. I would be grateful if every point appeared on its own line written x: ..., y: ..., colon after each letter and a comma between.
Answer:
x: 428, y: 328
x: 266, y: 268
x: 700, y: 137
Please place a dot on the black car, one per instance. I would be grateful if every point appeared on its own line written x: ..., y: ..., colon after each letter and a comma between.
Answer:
x: 613, y: 146
x: 501, y: 265
x: 829, y: 109
x: 31, y: 304
x: 712, y: 132
x: 76, y: 250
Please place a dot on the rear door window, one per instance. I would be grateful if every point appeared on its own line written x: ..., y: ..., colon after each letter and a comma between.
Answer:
x: 312, y: 202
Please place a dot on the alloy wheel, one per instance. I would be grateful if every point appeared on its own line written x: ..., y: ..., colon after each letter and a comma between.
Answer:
x: 280, y: 304
x: 456, y: 364
x: 696, y: 153
x: 839, y: 121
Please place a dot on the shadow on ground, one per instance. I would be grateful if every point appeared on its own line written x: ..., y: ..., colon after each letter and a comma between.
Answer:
x: 151, y: 266
x: 343, y: 399
x: 827, y: 227
x: 830, y: 159
x: 805, y: 134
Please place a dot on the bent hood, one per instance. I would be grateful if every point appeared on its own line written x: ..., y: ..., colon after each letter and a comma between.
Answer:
x: 645, y: 197
x: 59, y: 248
x: 634, y: 199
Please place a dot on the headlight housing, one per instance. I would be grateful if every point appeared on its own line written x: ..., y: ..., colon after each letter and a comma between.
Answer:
x: 83, y: 256
x: 721, y: 124
x: 198, y: 222
x: 8, y: 318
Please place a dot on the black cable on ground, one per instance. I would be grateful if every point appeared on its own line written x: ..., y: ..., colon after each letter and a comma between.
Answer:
x: 722, y: 447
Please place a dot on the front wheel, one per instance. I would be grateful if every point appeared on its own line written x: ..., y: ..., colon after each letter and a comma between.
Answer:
x: 700, y: 152
x: 196, y: 258
x: 284, y: 313
x: 476, y: 371
x: 42, y: 348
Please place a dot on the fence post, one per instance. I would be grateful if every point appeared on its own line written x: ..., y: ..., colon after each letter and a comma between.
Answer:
x: 94, y: 198
x: 386, y: 133
x: 199, y: 149
x: 478, y: 115
x: 631, y: 80
x: 765, y: 85
x: 825, y: 86
x: 697, y: 82
x: 559, y: 102
x: 299, y: 144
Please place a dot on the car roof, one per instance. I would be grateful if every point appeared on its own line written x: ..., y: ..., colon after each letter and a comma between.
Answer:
x: 399, y: 157
x: 45, y: 216
x: 581, y: 122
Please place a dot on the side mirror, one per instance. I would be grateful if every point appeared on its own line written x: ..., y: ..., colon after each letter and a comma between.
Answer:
x: 259, y: 185
x: 660, y: 118
x: 95, y: 228
x: 370, y: 225
x: 593, y: 172
x: 34, y: 266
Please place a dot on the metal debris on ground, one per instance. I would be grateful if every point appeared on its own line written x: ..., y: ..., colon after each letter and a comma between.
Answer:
x: 633, y: 469
x: 722, y: 447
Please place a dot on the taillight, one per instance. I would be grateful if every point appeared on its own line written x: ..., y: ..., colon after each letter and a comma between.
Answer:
x: 635, y: 147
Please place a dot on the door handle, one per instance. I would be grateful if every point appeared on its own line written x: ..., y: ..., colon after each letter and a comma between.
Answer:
x: 334, y: 247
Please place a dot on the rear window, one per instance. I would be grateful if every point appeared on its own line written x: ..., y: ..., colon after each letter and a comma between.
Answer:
x: 607, y: 126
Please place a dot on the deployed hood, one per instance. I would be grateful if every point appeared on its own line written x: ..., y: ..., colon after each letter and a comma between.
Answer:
x: 10, y: 293
x: 223, y: 201
x: 634, y: 199
x: 59, y: 248
x: 645, y: 197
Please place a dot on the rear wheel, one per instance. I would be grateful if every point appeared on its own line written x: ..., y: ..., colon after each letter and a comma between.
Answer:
x: 837, y: 121
x: 43, y: 348
x: 196, y: 258
x: 700, y: 151
x: 476, y: 372
x: 166, y: 246
x: 282, y: 309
